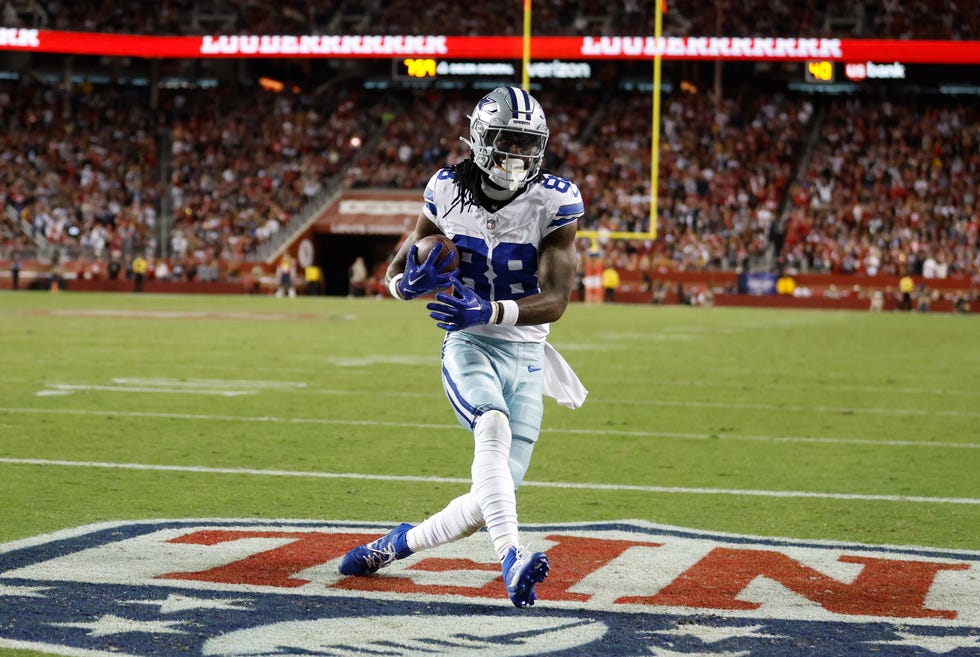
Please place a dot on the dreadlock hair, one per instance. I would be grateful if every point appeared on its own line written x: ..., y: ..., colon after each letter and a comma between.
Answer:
x: 466, y: 177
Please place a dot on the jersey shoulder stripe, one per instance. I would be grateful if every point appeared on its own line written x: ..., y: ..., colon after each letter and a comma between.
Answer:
x: 564, y: 200
x: 562, y: 221
x: 429, y: 198
x: 571, y: 209
x: 439, y: 184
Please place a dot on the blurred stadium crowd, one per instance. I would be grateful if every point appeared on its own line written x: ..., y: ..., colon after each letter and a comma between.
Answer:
x: 859, y: 184
x: 920, y: 19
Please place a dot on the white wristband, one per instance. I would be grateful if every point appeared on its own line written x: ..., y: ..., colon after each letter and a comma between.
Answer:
x: 393, y: 286
x: 508, y: 312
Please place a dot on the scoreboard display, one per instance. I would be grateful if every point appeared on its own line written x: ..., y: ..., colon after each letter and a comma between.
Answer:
x: 819, y: 71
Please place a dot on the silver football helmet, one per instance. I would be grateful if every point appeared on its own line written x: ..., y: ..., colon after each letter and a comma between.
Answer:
x: 508, y: 135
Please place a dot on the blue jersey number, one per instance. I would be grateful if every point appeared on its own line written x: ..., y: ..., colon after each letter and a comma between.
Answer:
x: 514, y: 268
x: 560, y: 185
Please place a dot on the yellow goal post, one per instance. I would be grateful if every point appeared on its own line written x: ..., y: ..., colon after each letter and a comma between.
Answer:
x: 595, y: 235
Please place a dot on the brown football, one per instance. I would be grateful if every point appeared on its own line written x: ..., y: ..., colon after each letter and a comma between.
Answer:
x: 428, y: 242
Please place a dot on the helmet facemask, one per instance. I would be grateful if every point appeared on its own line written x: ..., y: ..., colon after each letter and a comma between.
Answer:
x: 508, y: 136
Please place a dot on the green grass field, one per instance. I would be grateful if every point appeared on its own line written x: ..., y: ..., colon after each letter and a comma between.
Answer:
x: 826, y: 425
x: 734, y: 407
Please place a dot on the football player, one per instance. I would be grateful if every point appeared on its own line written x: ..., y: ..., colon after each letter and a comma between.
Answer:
x: 514, y: 228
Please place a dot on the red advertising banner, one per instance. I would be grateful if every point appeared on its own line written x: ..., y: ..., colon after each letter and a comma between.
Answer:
x: 489, y: 47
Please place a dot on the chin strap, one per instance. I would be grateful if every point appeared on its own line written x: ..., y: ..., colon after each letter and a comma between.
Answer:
x: 494, y: 191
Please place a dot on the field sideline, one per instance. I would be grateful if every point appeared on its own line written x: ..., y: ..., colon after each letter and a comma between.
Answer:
x: 805, y: 424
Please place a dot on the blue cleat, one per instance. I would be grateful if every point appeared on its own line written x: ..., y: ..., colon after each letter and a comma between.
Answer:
x: 368, y: 559
x: 522, y: 571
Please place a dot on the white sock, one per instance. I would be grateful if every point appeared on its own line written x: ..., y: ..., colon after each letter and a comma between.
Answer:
x: 459, y: 519
x: 493, y: 485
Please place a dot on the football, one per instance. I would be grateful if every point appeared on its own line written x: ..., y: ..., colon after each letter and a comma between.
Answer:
x: 427, y: 243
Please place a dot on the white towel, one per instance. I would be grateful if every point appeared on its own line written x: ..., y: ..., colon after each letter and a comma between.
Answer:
x: 560, y: 381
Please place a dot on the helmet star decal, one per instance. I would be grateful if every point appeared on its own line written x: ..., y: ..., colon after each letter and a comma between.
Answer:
x: 487, y: 100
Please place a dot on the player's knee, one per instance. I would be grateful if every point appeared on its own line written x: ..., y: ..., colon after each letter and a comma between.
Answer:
x: 471, y: 510
x: 492, y: 432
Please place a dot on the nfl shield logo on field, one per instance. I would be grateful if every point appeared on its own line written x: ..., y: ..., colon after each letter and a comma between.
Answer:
x: 258, y: 587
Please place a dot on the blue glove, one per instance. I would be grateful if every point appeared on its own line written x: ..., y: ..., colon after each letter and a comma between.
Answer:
x: 424, y: 278
x: 458, y: 312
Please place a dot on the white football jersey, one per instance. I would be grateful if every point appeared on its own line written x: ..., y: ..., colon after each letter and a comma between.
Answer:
x: 499, y: 250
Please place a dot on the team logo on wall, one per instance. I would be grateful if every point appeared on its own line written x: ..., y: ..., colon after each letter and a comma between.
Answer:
x: 243, y: 588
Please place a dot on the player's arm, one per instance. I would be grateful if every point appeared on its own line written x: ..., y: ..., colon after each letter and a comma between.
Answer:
x: 423, y: 227
x: 557, y: 261
x: 556, y: 275
x: 405, y: 278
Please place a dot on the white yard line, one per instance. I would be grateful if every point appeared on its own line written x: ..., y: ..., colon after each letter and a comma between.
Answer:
x: 620, y: 381
x: 226, y: 388
x: 426, y: 425
x: 242, y: 387
x: 457, y: 480
x: 709, y: 385
x: 53, y: 389
x: 797, y: 408
x: 66, y: 388
x: 223, y: 384
x: 789, y: 407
